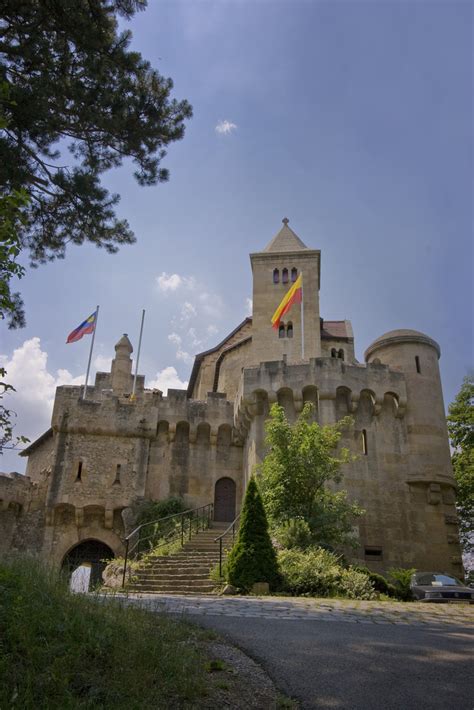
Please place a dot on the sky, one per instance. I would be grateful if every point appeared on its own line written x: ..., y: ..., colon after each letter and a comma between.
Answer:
x: 353, y: 119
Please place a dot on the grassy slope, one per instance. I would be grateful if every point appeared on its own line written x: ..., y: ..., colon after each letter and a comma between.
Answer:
x: 59, y: 650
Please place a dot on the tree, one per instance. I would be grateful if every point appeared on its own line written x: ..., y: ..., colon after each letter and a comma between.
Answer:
x: 253, y: 558
x: 70, y: 80
x: 461, y: 433
x: 301, y: 461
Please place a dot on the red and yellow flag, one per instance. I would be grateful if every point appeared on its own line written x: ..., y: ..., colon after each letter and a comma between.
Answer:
x: 293, y: 295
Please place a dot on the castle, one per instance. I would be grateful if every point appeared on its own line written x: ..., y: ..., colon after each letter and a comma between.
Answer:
x: 108, y: 451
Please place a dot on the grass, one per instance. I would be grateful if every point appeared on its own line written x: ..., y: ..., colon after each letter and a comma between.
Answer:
x: 61, y: 650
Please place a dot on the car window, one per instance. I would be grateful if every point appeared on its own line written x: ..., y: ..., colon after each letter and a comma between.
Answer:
x: 436, y: 580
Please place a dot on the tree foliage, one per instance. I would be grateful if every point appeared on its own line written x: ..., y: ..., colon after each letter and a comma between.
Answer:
x: 301, y: 461
x: 461, y: 433
x: 253, y: 558
x: 71, y: 81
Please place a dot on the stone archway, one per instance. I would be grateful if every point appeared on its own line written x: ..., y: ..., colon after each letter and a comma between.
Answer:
x: 224, y: 500
x: 88, y: 552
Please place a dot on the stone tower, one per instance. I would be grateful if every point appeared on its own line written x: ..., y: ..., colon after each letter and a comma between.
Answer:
x: 274, y: 270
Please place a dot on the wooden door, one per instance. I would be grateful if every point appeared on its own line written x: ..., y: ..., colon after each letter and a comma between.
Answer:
x: 224, y: 500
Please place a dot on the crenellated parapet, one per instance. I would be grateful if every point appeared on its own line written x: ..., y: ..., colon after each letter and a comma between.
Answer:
x: 15, y: 492
x: 320, y: 381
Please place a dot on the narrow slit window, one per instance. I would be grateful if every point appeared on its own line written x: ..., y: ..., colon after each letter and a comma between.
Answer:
x: 276, y: 276
x: 117, y: 475
x: 281, y: 331
x: 79, y: 471
x: 284, y: 276
x: 294, y: 274
x: 364, y: 442
x: 289, y: 330
x: 417, y: 362
x: 373, y: 553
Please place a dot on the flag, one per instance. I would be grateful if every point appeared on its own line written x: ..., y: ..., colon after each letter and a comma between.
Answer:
x: 293, y: 295
x: 87, y: 327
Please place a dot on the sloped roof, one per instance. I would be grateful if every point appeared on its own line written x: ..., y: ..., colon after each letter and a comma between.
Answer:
x: 285, y: 240
x: 335, y: 329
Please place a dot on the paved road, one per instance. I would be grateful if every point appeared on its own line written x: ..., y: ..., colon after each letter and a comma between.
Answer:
x: 338, y: 655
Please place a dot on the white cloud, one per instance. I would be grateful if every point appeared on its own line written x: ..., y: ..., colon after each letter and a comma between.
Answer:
x: 248, y: 306
x: 175, y: 339
x: 225, y: 127
x: 188, y: 311
x: 171, y: 282
x: 184, y: 356
x: 27, y: 371
x: 195, y: 341
x: 167, y: 379
x: 102, y: 363
x: 212, y: 329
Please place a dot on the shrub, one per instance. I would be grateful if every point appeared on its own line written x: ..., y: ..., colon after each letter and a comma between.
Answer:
x: 379, y: 583
x: 294, y: 533
x: 313, y: 571
x: 153, y: 535
x: 356, y: 585
x: 253, y: 558
x: 401, y: 579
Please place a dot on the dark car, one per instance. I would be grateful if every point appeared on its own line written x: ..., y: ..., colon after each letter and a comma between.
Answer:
x: 439, y: 587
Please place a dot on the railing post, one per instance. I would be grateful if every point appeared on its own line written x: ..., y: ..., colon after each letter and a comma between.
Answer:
x: 182, y: 530
x: 190, y: 525
x: 220, y: 558
x: 125, y: 563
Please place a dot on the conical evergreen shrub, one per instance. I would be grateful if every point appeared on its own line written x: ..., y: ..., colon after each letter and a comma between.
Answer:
x: 253, y: 557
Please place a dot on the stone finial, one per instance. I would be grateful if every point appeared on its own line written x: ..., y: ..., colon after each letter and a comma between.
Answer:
x: 285, y: 221
x: 124, y: 345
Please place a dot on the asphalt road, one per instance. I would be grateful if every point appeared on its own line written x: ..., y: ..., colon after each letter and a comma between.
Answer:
x: 344, y: 666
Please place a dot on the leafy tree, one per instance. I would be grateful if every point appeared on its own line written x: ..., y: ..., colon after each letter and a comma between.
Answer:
x: 461, y: 433
x: 253, y: 558
x: 301, y: 461
x: 71, y: 81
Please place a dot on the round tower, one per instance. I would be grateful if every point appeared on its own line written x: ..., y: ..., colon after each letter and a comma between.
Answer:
x: 416, y: 355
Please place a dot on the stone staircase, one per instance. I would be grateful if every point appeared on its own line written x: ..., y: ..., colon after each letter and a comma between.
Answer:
x: 186, y: 571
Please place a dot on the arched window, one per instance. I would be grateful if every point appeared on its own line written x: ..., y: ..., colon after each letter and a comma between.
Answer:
x: 284, y: 276
x: 294, y: 274
x: 333, y: 352
x: 289, y: 330
x: 340, y: 354
x: 276, y: 276
x: 281, y: 331
x: 364, y: 442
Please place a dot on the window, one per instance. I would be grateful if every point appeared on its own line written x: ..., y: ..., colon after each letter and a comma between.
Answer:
x: 340, y: 354
x: 294, y: 274
x: 79, y: 471
x: 117, y: 475
x: 417, y: 362
x: 373, y: 553
x: 281, y: 331
x: 364, y: 442
x: 284, y: 276
x: 333, y: 352
x: 289, y: 330
x: 276, y: 276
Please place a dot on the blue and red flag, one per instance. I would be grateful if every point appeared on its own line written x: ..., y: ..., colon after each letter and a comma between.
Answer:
x: 87, y: 327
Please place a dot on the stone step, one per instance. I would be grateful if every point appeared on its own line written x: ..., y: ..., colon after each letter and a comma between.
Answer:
x: 178, y: 579
x: 173, y: 588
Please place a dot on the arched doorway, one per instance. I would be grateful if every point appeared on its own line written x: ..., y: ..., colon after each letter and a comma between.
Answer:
x: 89, y: 553
x: 224, y: 500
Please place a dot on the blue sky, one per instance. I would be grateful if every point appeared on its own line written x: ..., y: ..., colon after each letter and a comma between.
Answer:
x: 354, y: 119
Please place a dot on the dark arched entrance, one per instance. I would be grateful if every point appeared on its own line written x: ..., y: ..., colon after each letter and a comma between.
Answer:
x: 93, y: 552
x: 224, y: 500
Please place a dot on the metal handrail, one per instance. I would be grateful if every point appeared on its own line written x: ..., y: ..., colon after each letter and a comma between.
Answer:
x: 220, y: 539
x: 191, y: 514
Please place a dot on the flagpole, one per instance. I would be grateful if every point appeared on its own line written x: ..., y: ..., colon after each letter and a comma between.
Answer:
x: 90, y: 353
x: 302, y: 319
x: 138, y: 356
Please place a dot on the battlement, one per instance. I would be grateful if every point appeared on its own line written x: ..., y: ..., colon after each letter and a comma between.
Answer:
x: 15, y: 491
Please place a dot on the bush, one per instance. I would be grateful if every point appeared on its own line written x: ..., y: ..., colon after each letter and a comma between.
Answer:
x: 356, y: 585
x: 294, y: 533
x: 401, y: 579
x: 153, y: 535
x: 312, y: 572
x: 253, y: 558
x: 379, y: 583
